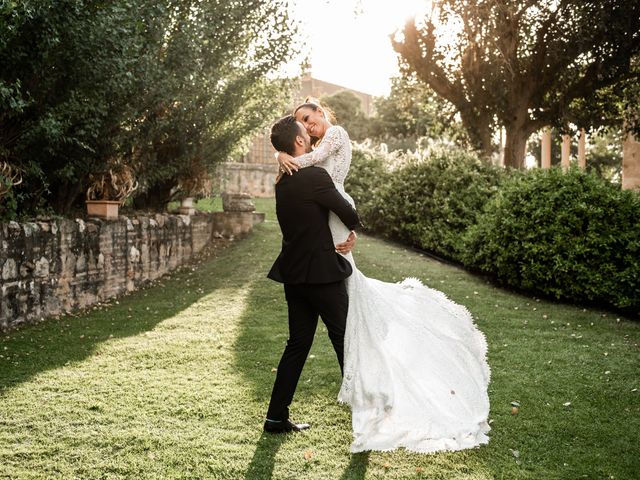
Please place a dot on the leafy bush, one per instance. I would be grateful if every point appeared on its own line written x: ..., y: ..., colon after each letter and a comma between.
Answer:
x: 569, y: 235
x: 440, y: 197
x: 428, y: 202
x: 367, y: 180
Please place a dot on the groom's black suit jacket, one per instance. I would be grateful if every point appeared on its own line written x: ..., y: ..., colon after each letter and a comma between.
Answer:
x: 303, y: 202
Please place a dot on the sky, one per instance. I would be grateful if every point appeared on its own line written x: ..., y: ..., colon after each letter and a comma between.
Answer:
x: 347, y: 41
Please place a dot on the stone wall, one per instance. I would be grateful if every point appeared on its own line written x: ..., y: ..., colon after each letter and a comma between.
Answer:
x: 256, y: 179
x: 54, y: 266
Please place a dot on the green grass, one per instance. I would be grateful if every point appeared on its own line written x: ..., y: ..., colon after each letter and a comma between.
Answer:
x: 213, y: 204
x: 173, y: 382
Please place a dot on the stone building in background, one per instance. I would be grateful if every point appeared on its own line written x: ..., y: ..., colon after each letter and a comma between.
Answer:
x: 255, y: 172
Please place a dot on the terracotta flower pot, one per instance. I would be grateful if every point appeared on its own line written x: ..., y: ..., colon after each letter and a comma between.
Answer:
x: 107, y: 209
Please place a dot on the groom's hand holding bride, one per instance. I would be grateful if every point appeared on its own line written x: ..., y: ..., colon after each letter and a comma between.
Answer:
x: 346, y: 246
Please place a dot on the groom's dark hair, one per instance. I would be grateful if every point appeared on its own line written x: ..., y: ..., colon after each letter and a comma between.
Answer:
x: 284, y: 133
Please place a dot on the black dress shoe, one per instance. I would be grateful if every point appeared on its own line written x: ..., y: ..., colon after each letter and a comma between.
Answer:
x: 284, y: 426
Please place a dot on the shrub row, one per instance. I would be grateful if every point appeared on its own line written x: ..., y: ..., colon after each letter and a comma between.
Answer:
x: 568, y: 235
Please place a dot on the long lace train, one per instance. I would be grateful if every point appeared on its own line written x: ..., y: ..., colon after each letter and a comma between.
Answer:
x: 416, y: 374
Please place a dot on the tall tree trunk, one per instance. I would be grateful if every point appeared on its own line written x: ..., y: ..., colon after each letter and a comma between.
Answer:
x: 486, y: 144
x: 479, y: 130
x: 515, y: 146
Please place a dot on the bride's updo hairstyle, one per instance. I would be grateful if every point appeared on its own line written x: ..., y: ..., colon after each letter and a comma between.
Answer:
x: 315, y: 105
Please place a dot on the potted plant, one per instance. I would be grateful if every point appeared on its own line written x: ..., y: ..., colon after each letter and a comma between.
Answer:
x: 194, y: 183
x: 109, y: 189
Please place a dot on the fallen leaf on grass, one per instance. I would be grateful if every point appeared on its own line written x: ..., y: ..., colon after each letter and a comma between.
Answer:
x: 308, y: 454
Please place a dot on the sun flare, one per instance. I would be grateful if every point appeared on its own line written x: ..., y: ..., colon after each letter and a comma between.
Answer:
x: 347, y: 41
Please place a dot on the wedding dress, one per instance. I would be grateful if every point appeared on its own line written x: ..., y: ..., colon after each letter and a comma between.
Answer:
x: 415, y: 368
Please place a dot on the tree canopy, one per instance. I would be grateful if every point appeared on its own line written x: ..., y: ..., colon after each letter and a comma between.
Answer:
x: 347, y: 108
x: 413, y: 112
x: 165, y: 86
x: 523, y: 64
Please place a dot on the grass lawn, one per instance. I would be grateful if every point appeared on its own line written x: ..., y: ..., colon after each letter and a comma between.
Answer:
x: 173, y: 382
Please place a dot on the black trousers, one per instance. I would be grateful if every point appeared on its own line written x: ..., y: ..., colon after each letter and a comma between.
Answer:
x: 306, y: 302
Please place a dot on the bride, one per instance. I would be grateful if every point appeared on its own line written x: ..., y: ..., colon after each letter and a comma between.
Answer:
x: 415, y: 369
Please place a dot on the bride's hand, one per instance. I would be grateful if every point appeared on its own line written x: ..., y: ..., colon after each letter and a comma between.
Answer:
x: 287, y: 163
x: 346, y: 246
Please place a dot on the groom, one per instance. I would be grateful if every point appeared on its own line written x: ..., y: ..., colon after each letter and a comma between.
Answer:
x: 312, y: 271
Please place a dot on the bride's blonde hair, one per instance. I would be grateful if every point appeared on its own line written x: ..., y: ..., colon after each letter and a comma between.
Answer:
x: 315, y: 105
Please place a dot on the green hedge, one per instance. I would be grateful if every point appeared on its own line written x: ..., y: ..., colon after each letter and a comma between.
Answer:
x: 568, y: 235
x: 367, y: 181
x: 428, y: 202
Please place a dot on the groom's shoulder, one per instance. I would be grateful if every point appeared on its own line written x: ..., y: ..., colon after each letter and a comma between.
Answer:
x: 313, y: 172
x: 308, y: 178
x: 309, y: 174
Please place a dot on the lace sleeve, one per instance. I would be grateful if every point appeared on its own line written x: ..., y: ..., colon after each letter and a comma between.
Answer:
x: 331, y: 143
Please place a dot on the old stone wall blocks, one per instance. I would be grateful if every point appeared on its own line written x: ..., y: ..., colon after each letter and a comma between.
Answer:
x: 49, y: 267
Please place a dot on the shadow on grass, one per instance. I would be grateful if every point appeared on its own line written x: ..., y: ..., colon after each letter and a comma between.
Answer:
x: 33, y: 349
x: 264, y: 457
x: 357, y: 467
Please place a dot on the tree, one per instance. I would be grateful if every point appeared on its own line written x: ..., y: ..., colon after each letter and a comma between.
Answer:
x: 347, y: 108
x: 612, y: 108
x: 413, y: 111
x: 521, y: 64
x: 212, y: 91
x: 160, y: 85
x: 605, y: 154
x: 66, y: 77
